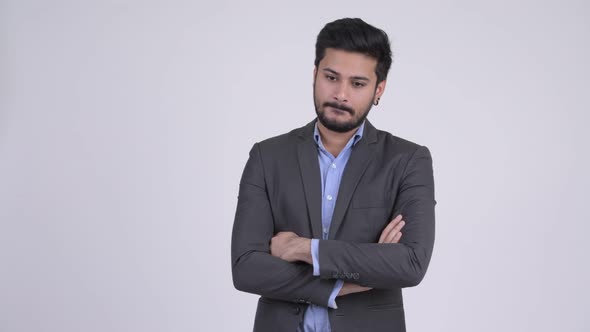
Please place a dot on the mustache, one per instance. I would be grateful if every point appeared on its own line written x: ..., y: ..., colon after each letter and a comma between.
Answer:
x: 339, y: 106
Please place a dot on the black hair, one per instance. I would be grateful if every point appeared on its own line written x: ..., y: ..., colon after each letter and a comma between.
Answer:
x: 355, y: 35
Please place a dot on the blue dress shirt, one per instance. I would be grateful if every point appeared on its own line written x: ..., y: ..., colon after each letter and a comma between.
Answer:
x: 331, y: 169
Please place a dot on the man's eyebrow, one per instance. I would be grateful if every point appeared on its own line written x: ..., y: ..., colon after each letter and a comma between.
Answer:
x: 358, y: 78
x: 331, y: 71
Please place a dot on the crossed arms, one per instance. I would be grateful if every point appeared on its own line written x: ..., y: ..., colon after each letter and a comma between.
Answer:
x: 279, y: 265
x: 293, y: 248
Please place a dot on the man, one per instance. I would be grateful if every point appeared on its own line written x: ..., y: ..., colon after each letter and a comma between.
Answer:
x: 317, y: 231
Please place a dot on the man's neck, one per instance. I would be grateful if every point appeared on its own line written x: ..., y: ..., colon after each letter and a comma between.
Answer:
x: 334, y: 141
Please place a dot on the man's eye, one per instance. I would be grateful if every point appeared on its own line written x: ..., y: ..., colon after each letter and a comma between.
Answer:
x: 358, y: 84
x: 330, y: 77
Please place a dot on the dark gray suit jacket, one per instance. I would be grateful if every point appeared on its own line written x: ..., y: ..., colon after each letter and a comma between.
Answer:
x: 280, y: 190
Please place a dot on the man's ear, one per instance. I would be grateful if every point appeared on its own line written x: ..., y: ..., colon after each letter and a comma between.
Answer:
x: 315, y: 72
x: 380, y: 89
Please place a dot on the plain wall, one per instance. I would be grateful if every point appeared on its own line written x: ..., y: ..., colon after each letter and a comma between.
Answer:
x: 125, y: 126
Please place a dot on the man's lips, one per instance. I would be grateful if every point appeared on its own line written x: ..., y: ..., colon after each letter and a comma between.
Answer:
x: 338, y: 110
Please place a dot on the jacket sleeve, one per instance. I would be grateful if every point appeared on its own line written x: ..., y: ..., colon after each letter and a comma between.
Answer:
x: 254, y: 269
x: 392, y: 265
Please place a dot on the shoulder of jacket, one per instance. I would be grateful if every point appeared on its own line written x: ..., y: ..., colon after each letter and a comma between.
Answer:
x: 397, y: 144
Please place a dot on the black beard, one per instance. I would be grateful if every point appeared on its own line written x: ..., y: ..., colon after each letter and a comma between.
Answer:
x: 333, y: 125
x: 337, y: 126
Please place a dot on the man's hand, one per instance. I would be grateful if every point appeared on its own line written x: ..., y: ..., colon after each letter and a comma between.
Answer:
x: 290, y: 247
x: 350, y: 288
x: 392, y: 232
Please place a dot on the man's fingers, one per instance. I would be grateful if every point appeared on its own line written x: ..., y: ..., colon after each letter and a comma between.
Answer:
x: 279, y: 242
x: 389, y: 227
x: 350, y: 288
x: 394, y: 238
x: 389, y: 238
x: 285, y: 234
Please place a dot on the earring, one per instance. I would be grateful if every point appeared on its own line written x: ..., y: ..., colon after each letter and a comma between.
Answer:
x: 376, y: 102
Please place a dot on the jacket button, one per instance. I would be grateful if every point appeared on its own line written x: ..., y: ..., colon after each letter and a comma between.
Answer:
x: 296, y: 310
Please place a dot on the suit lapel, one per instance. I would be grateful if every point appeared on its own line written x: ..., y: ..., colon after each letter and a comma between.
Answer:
x: 361, y: 156
x: 310, y: 175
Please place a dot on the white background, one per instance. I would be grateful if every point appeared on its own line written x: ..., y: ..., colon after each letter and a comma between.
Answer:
x: 125, y: 126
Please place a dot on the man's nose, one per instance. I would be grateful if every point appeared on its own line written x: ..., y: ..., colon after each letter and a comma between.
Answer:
x: 342, y: 91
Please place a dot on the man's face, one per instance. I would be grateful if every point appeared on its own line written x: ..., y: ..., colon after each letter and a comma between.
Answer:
x: 344, y: 89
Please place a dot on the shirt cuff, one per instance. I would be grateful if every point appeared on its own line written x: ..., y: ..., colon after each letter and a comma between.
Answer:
x: 335, y: 291
x: 315, y: 245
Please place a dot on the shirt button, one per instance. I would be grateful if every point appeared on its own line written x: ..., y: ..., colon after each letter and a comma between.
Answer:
x: 329, y: 197
x: 333, y: 165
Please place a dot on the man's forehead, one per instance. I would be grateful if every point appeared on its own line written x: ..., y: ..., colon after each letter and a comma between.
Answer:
x: 348, y: 63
